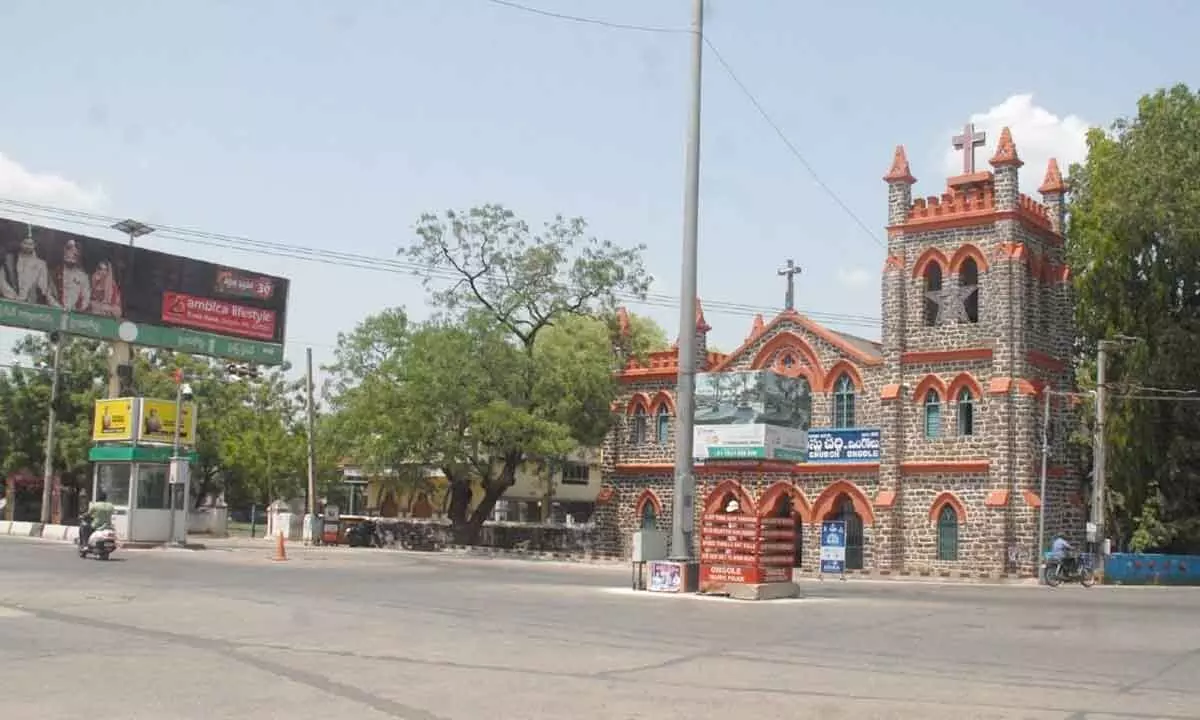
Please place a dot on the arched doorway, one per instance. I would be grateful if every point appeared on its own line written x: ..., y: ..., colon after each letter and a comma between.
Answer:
x: 843, y: 509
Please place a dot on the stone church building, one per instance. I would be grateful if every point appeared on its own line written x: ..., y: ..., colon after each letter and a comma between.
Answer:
x: 977, y: 316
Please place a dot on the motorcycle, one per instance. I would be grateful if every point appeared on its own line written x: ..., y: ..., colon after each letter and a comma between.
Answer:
x: 422, y: 539
x: 362, y: 534
x: 101, y: 543
x: 1076, y: 568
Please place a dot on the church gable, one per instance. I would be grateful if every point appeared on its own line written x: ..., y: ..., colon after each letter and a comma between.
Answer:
x: 794, y: 345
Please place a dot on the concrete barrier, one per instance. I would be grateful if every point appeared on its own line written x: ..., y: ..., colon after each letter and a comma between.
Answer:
x: 54, y: 532
x: 72, y: 533
x: 26, y: 529
x: 5, y: 527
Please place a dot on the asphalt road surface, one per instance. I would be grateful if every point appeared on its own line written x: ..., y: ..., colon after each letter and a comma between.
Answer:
x: 373, y: 634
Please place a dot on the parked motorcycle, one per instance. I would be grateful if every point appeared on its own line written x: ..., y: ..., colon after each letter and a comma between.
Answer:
x: 1070, y: 569
x: 100, y: 543
x: 362, y: 534
x: 423, y: 539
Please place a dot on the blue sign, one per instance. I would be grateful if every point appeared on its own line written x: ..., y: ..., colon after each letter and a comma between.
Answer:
x: 831, y: 445
x: 833, y: 546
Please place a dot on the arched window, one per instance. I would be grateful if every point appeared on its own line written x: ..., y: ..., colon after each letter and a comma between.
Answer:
x: 968, y: 277
x: 843, y: 402
x: 933, y: 415
x: 947, y: 533
x: 637, y: 435
x: 649, y: 519
x: 966, y: 412
x: 933, y: 283
x: 662, y: 425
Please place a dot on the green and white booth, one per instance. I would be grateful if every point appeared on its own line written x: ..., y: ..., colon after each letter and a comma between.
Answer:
x: 136, y: 479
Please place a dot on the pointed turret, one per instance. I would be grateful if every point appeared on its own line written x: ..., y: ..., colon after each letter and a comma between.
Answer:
x: 900, y: 181
x: 1006, y: 151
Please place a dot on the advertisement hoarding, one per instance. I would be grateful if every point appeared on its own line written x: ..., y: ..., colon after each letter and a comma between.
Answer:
x: 142, y: 420
x: 848, y: 445
x: 751, y: 414
x: 56, y: 280
x: 749, y: 442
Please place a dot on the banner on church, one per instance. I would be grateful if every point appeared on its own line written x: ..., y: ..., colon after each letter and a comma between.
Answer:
x: 849, y: 445
x: 756, y: 441
x: 753, y: 397
x: 55, y: 280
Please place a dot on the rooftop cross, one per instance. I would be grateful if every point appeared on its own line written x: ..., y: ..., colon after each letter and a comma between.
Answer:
x: 790, y: 271
x: 967, y: 142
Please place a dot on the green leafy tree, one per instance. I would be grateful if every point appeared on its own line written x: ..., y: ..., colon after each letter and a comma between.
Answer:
x: 536, y: 398
x: 1134, y: 243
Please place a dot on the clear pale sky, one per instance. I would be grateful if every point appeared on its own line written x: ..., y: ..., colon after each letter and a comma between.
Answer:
x: 335, y: 124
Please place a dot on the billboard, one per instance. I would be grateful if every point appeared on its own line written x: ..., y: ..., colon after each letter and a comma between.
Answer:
x: 751, y: 414
x: 844, y: 445
x: 143, y: 420
x: 56, y: 280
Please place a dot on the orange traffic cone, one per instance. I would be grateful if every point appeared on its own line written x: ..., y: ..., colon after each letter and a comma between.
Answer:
x: 280, y: 550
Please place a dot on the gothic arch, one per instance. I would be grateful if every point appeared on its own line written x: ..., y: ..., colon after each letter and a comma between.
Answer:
x: 968, y: 251
x: 931, y: 255
x: 929, y: 382
x: 712, y: 504
x: 789, y: 340
x: 647, y: 496
x: 772, y: 495
x: 943, y: 499
x: 638, y: 400
x: 963, y: 380
x: 837, y: 370
x: 829, y: 496
x: 661, y: 400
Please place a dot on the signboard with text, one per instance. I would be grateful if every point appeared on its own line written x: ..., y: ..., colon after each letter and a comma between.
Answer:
x: 749, y: 442
x: 745, y: 549
x: 848, y: 445
x: 751, y: 414
x: 56, y: 280
x: 833, y: 546
x: 144, y: 420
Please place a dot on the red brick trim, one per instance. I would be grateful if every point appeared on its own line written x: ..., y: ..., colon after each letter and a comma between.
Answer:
x: 930, y: 467
x: 1031, y: 499
x: 890, y: 392
x: 836, y: 371
x: 963, y: 380
x: 647, y: 496
x: 1044, y: 361
x: 638, y: 400
x: 968, y: 251
x: 930, y: 357
x: 772, y: 495
x: 713, y: 503
x: 997, y: 498
x: 751, y: 466
x: 929, y: 382
x: 824, y: 505
x: 788, y: 340
x: 885, y: 499
x: 662, y: 399
x: 944, y: 499
x: 931, y: 255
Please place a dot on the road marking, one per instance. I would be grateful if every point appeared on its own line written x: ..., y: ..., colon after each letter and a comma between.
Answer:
x: 9, y: 613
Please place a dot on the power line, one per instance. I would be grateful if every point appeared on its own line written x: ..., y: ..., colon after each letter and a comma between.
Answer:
x: 366, y: 262
x: 586, y: 20
x: 728, y: 68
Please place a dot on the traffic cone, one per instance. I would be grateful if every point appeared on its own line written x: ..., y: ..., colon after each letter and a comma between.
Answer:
x: 280, y: 550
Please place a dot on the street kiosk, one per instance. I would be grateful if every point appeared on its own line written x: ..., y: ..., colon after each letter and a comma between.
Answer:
x: 132, y: 466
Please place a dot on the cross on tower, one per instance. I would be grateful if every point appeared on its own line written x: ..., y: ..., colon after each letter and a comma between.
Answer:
x: 967, y: 142
x: 790, y: 271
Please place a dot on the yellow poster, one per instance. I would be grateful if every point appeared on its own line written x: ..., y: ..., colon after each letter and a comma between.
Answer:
x: 157, y: 422
x: 113, y: 421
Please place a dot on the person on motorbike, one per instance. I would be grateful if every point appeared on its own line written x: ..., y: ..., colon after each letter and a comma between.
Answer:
x: 99, y: 516
x: 1062, y: 553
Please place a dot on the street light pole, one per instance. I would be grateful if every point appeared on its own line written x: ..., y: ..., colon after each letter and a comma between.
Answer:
x: 178, y: 472
x: 51, y: 419
x: 1042, y: 507
x: 1099, y: 459
x: 122, y: 352
x: 682, y: 506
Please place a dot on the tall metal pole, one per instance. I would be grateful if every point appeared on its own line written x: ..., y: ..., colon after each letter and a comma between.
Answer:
x: 1098, y: 449
x: 51, y: 419
x: 311, y: 520
x: 1042, y: 508
x: 685, y: 482
x: 176, y: 477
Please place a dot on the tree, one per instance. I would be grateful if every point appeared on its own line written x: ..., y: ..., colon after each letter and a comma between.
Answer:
x: 1134, y: 243
x: 538, y: 398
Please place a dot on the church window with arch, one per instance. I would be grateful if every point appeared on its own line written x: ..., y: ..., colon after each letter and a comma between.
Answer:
x: 966, y: 412
x: 968, y: 283
x: 637, y: 434
x: 947, y: 534
x: 933, y: 415
x: 843, y: 402
x: 662, y: 425
x: 933, y: 285
x: 649, y: 518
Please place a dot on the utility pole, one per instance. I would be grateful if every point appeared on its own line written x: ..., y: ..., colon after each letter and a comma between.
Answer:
x: 179, y: 467
x: 1042, y: 508
x: 682, y: 507
x: 120, y: 378
x: 311, y: 519
x: 51, y: 419
x: 1096, y: 521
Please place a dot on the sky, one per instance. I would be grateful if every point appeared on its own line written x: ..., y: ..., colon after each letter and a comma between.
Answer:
x: 334, y: 125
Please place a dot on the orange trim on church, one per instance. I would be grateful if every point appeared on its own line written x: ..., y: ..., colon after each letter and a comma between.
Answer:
x: 837, y: 370
x: 753, y: 466
x: 929, y: 256
x: 947, y: 498
x: 931, y: 467
x: 812, y: 327
x: 963, y: 380
x: 968, y: 251
x: 997, y: 498
x: 1003, y: 385
x: 1034, y: 221
x: 931, y: 357
x: 1044, y: 361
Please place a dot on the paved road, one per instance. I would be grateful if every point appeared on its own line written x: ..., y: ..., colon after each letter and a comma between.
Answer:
x: 373, y: 635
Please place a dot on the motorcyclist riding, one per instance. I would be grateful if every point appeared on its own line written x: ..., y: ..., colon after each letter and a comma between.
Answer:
x: 97, y: 517
x: 1062, y: 553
